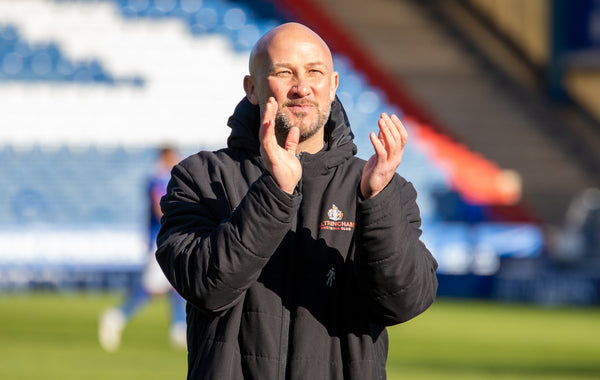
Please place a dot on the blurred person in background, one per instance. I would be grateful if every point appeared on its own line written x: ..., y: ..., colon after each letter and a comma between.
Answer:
x: 151, y: 282
x: 293, y: 254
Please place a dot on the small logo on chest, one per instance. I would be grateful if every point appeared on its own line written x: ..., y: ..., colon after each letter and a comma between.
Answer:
x: 336, y: 222
x: 335, y: 213
x: 330, y: 277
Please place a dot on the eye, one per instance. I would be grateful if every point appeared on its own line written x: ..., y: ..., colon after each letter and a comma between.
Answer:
x: 283, y: 73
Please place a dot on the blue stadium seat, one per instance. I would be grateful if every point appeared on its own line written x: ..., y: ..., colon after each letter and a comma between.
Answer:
x: 21, y: 61
x: 68, y: 186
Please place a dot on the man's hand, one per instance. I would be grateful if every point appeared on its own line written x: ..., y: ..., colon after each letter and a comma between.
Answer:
x: 282, y: 163
x: 389, y: 148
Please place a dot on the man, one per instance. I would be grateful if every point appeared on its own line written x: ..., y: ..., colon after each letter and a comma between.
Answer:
x: 292, y: 253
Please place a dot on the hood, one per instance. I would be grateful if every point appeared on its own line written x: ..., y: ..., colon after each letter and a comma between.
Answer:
x: 245, y: 124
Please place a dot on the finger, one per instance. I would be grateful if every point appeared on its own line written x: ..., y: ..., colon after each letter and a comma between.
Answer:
x: 401, y: 129
x: 379, y: 147
x: 270, y: 111
x: 385, y: 133
x: 395, y: 125
x: 395, y: 135
x: 291, y: 142
x: 380, y: 136
x: 392, y: 134
x: 398, y: 152
x: 267, y: 132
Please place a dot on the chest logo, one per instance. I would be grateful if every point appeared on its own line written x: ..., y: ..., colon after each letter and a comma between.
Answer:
x: 335, y: 213
x: 330, y: 277
x: 336, y: 221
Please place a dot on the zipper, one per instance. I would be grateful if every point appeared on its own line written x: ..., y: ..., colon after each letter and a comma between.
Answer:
x: 284, y: 347
x: 288, y: 304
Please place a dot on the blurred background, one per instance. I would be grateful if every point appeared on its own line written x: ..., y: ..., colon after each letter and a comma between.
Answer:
x: 501, y: 99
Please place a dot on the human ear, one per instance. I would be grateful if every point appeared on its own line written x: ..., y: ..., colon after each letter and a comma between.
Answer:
x: 335, y: 78
x: 250, y: 88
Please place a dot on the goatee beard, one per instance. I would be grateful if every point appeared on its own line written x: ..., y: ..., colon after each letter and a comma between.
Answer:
x: 283, y: 124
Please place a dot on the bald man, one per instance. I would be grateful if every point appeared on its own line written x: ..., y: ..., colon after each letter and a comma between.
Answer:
x: 292, y: 253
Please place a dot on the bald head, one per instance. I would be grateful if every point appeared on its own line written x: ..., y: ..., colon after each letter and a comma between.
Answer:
x: 284, y: 35
x: 293, y: 65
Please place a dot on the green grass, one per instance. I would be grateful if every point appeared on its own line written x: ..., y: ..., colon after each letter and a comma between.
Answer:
x: 49, y: 336
x: 484, y: 340
x: 52, y: 336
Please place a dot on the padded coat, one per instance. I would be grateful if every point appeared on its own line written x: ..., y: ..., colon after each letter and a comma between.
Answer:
x: 295, y: 286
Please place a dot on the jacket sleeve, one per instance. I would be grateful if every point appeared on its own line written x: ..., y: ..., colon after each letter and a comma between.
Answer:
x: 209, y: 261
x: 396, y: 271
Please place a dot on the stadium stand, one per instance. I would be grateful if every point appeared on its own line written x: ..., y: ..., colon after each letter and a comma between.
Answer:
x: 473, y: 70
x: 94, y: 86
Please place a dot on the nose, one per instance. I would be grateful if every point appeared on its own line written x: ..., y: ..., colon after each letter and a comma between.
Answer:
x: 301, y: 88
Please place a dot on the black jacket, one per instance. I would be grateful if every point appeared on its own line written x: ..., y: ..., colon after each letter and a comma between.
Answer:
x: 286, y: 286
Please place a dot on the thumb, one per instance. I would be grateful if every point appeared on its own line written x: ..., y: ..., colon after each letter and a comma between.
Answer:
x: 291, y: 142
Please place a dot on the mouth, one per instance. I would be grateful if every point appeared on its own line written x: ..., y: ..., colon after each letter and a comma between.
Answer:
x: 300, y: 108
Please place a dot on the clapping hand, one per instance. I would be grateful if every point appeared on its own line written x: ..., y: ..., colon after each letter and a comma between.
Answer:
x: 281, y: 162
x: 389, y: 148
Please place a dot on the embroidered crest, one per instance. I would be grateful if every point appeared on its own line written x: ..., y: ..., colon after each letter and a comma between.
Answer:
x: 335, y: 213
x: 335, y: 221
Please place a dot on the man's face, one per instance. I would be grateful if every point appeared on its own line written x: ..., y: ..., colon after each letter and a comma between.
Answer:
x: 297, y: 71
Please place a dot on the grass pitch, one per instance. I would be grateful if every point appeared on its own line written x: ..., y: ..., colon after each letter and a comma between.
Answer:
x: 484, y: 340
x: 53, y: 336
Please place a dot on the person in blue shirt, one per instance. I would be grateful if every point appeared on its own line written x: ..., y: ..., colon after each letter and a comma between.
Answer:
x: 151, y: 282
